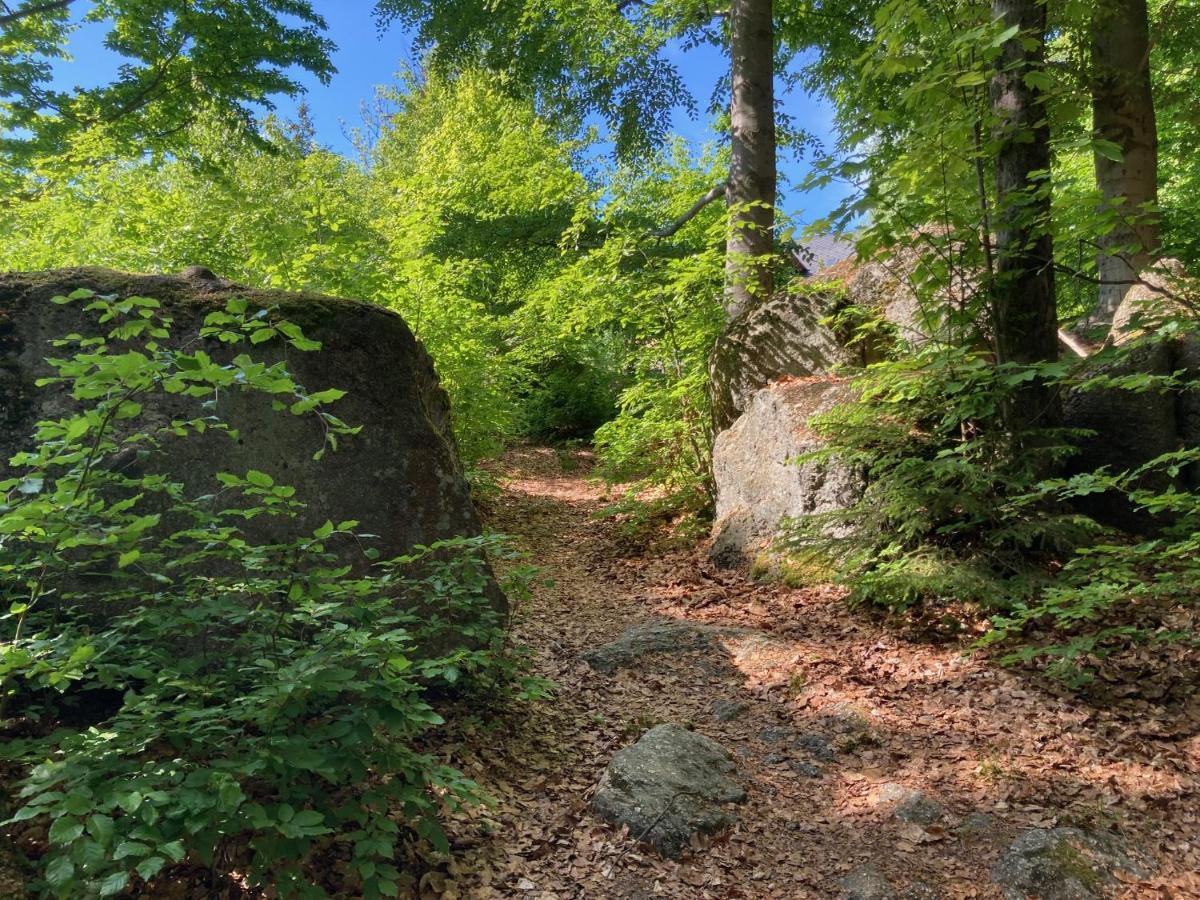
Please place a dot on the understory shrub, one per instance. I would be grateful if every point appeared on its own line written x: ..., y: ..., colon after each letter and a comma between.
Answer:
x: 570, y: 396
x: 959, y: 517
x: 1118, y: 589
x: 662, y: 434
x: 179, y: 692
x: 939, y: 521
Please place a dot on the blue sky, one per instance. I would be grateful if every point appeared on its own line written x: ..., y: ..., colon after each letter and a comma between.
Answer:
x: 365, y: 59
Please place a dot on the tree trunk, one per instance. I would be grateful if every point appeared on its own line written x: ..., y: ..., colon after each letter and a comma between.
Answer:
x: 750, y: 193
x: 1024, y: 314
x: 1123, y: 113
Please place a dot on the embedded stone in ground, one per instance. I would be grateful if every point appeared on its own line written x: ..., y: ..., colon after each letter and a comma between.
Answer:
x: 672, y: 784
x: 867, y: 883
x: 846, y: 718
x: 776, y: 734
x: 812, y: 745
x: 728, y: 710
x: 975, y: 824
x: 816, y: 746
x: 656, y: 637
x: 909, y: 805
x: 1063, y: 864
x: 808, y: 770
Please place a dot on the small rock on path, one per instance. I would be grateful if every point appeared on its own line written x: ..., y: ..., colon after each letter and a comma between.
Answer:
x: 671, y: 784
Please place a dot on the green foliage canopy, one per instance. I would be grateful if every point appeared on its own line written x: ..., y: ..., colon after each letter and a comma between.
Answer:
x: 178, y: 59
x: 577, y: 56
x: 473, y: 218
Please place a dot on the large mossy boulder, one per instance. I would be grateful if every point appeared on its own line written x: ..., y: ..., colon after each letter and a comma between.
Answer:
x: 400, y: 477
x: 759, y: 482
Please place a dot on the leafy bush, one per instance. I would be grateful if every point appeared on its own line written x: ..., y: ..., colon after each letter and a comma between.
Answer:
x: 1121, y: 588
x: 573, y: 395
x: 188, y: 693
x: 937, y: 522
x: 472, y: 191
x: 958, y: 517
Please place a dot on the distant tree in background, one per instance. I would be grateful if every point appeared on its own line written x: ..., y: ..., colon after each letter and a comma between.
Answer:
x: 606, y: 57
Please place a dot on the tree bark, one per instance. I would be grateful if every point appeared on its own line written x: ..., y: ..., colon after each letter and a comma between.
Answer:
x: 1123, y: 114
x: 750, y: 192
x: 1024, y: 313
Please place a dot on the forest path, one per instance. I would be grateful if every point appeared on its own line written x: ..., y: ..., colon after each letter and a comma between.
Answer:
x: 995, y: 752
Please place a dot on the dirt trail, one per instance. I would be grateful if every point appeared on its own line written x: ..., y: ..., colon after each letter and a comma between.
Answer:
x: 997, y: 752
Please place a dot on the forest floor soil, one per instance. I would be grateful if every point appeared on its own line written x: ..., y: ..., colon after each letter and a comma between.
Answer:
x: 996, y: 751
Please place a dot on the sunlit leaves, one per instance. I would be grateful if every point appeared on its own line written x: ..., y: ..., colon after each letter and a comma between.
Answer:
x: 577, y: 57
x: 174, y: 61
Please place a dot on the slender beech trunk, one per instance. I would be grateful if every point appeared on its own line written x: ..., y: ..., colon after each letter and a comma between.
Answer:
x: 1024, y: 315
x: 752, y: 177
x: 1123, y: 113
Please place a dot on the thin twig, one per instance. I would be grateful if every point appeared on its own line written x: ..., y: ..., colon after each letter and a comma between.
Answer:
x: 652, y: 825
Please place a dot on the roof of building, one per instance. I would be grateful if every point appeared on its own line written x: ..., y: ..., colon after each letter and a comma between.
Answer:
x: 822, y: 251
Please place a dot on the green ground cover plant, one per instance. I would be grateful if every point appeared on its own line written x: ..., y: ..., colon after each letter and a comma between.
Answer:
x: 176, y: 690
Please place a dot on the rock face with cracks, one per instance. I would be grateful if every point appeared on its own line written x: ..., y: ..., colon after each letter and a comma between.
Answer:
x: 672, y: 784
x: 400, y: 477
x: 758, y: 481
x: 790, y: 335
x: 783, y: 336
x: 909, y: 289
x: 773, y: 368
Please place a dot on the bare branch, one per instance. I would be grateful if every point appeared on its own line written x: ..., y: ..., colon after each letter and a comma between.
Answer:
x: 1073, y: 344
x: 1092, y: 279
x: 715, y: 193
